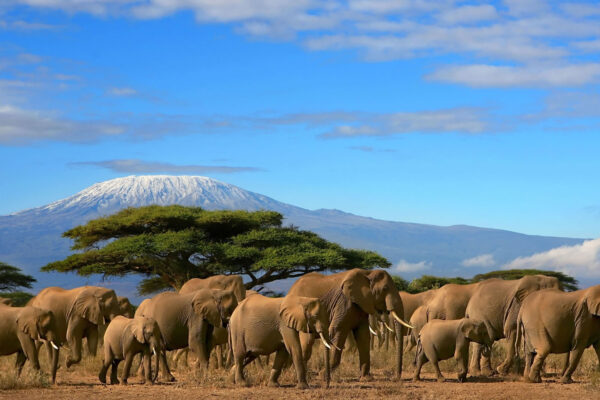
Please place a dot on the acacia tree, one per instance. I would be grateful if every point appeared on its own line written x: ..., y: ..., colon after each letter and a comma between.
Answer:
x: 568, y: 282
x: 12, y: 279
x: 169, y: 245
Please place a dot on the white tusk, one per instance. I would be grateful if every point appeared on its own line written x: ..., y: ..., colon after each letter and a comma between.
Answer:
x: 400, y: 321
x: 324, y: 341
x: 388, y: 327
x: 337, y: 348
x: 372, y: 331
x: 53, y: 345
x: 153, y: 351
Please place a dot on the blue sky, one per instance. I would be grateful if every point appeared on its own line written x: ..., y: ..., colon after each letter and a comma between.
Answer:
x: 439, y: 112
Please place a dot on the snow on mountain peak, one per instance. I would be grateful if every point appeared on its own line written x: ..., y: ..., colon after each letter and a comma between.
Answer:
x: 135, y: 191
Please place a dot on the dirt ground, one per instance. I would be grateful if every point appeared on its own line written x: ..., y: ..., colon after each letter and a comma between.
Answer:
x: 80, y: 382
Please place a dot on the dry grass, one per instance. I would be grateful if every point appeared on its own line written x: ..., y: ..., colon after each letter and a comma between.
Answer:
x: 81, y: 381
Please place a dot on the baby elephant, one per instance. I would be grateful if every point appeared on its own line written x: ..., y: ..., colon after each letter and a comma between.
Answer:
x: 261, y: 325
x: 441, y: 339
x: 126, y: 337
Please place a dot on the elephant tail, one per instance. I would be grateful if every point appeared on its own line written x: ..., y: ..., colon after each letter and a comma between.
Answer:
x: 419, y: 349
x: 520, y: 337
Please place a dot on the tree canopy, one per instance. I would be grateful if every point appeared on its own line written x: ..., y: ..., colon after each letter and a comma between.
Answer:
x: 427, y: 282
x: 171, y: 244
x: 568, y: 282
x: 11, y: 280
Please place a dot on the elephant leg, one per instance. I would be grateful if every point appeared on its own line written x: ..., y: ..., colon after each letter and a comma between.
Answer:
x: 574, y: 356
x: 294, y: 348
x: 536, y: 366
x: 504, y: 368
x: 528, y: 361
x: 306, y: 340
x: 168, y: 376
x: 127, y: 368
x: 597, y: 350
x: 21, y: 358
x: 420, y: 359
x: 219, y: 351
x: 475, y: 366
x: 462, y: 357
x: 565, y: 364
x: 399, y: 334
x: 436, y: 366
x: 113, y: 372
x: 92, y: 340
x: 278, y: 364
x: 147, y: 359
x: 105, y: 364
x: 339, y: 339
x: 240, y: 360
x: 31, y: 353
x: 486, y: 360
x: 362, y: 336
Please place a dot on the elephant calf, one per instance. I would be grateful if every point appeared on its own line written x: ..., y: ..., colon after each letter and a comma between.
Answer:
x: 126, y: 337
x: 261, y: 325
x: 441, y: 339
x: 20, y: 327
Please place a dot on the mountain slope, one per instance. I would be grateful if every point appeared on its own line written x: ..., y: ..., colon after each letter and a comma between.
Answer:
x: 32, y: 238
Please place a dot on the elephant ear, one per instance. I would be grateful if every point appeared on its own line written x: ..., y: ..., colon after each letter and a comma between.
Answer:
x: 205, y: 306
x: 87, y: 306
x: 526, y: 286
x: 137, y: 329
x: 357, y: 287
x: 293, y: 311
x: 27, y: 322
x: 469, y: 328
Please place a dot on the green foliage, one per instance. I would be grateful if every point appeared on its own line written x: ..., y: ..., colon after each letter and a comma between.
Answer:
x: 12, y: 278
x: 427, y: 282
x: 401, y: 284
x: 19, y: 299
x: 170, y: 245
x: 568, y: 282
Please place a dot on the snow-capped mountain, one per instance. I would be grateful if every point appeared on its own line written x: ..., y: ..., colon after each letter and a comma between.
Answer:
x: 32, y: 238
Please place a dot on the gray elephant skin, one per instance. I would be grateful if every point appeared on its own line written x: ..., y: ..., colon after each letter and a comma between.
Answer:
x: 126, y: 337
x: 440, y: 340
x: 552, y: 321
x: 261, y: 325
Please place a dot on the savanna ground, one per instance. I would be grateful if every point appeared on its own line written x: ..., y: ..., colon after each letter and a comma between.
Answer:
x: 80, y: 381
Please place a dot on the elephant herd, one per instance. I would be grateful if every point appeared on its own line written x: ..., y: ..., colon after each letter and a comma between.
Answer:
x: 218, y: 314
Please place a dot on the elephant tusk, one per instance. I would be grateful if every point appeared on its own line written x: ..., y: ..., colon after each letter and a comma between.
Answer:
x: 397, y: 318
x: 324, y: 341
x: 373, y: 332
x: 337, y: 348
x: 388, y: 327
x: 153, y: 351
x: 53, y: 345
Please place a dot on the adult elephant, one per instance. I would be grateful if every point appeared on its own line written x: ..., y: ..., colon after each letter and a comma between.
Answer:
x: 78, y: 314
x: 497, y: 302
x: 189, y: 320
x: 126, y: 309
x: 411, y: 301
x: 233, y: 283
x: 552, y: 321
x: 450, y: 301
x: 350, y: 297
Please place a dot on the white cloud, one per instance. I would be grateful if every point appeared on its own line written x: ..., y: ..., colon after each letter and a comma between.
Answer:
x: 578, y: 260
x: 481, y: 75
x: 469, y: 14
x: 483, y: 260
x: 122, y: 92
x: 144, y: 167
x: 405, y: 266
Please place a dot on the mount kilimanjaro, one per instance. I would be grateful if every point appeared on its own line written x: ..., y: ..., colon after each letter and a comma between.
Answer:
x: 31, y: 238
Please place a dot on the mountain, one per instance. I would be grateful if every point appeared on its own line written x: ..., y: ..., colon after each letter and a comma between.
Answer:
x: 32, y: 238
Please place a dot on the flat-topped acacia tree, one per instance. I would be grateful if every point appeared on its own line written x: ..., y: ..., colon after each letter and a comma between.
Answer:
x: 169, y: 245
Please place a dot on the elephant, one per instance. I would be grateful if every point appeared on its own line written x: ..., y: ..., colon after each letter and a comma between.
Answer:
x: 553, y: 321
x: 126, y: 309
x: 450, y: 301
x: 261, y: 325
x: 350, y: 297
x: 78, y: 313
x: 417, y: 321
x: 21, y: 327
x: 496, y: 302
x: 126, y: 337
x: 189, y: 320
x: 443, y: 339
x: 233, y: 283
x: 411, y: 301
